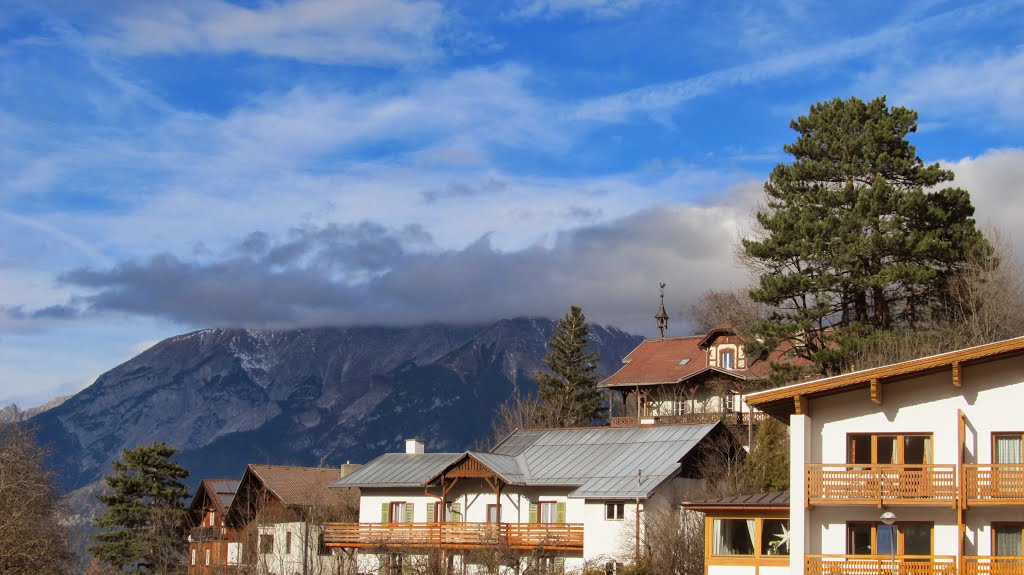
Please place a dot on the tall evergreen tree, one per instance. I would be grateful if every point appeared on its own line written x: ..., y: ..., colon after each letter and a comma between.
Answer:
x: 854, y: 239
x: 569, y: 391
x: 144, y: 519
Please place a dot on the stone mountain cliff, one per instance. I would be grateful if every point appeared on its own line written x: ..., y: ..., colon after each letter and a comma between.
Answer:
x: 228, y: 397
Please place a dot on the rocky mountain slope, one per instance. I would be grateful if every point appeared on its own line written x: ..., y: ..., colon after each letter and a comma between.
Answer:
x: 228, y: 397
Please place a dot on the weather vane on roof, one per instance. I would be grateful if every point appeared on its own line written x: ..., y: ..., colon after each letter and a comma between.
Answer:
x: 662, y: 316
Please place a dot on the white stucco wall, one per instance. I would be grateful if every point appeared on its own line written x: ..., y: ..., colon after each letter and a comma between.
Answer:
x: 304, y: 547
x: 991, y: 397
x: 603, y: 539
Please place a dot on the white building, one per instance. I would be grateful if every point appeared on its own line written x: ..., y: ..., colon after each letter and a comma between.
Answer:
x: 915, y: 467
x: 559, y: 499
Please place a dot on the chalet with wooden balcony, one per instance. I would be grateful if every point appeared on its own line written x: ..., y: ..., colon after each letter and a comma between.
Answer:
x: 212, y: 545
x: 693, y: 379
x: 914, y: 467
x: 550, y: 498
x: 279, y: 512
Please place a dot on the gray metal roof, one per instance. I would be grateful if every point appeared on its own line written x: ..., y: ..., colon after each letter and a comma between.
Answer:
x: 517, y: 442
x: 398, y: 470
x: 600, y: 462
x: 604, y: 461
x: 773, y: 499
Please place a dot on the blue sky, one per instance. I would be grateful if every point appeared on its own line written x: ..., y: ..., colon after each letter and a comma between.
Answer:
x: 176, y: 165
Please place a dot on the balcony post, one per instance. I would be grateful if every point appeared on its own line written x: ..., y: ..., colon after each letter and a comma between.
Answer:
x: 799, y: 515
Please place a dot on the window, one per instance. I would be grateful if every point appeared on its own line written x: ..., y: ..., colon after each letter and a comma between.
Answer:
x: 193, y: 556
x: 615, y: 510
x: 910, y: 538
x: 733, y: 536
x: 612, y: 567
x: 679, y: 407
x: 397, y: 511
x: 321, y: 547
x: 729, y: 402
x: 774, y: 537
x: 753, y: 538
x: 210, y: 518
x: 889, y: 449
x: 287, y: 542
x: 1007, y: 448
x: 493, y: 513
x: 266, y: 543
x: 727, y: 359
x: 547, y: 512
x: 207, y: 556
x: 1007, y: 539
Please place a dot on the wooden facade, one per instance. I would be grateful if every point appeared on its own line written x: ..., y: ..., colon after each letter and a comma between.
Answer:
x: 212, y: 545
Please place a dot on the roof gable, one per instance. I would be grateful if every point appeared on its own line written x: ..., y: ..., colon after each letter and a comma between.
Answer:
x: 781, y: 401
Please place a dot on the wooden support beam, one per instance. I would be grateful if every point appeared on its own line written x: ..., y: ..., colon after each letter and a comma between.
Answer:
x: 800, y: 405
x: 876, y: 391
x: 957, y: 381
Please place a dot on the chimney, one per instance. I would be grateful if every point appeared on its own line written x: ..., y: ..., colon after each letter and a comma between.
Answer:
x: 414, y: 445
x: 349, y: 468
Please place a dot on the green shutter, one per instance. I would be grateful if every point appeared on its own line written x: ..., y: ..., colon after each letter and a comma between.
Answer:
x: 560, y: 512
x: 431, y: 512
x: 533, y: 513
x: 560, y: 561
x: 409, y: 511
x: 385, y: 510
x: 456, y: 511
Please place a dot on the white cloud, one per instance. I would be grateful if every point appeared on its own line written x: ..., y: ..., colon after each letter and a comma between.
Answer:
x: 991, y: 88
x: 333, y: 31
x: 995, y: 180
x: 656, y: 98
x: 590, y: 8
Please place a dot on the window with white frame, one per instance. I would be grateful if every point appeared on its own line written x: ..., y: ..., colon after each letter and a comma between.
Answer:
x: 207, y: 556
x: 727, y: 359
x: 679, y: 407
x: 193, y: 556
x: 547, y: 511
x: 615, y: 510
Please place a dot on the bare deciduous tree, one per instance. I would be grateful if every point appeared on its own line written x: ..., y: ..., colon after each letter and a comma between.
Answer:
x: 32, y: 538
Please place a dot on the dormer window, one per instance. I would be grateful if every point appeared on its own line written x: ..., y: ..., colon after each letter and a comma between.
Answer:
x: 727, y: 359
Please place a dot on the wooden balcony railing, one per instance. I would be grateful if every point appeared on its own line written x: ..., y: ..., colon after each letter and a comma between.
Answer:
x: 850, y: 484
x: 207, y: 533
x: 879, y: 565
x: 731, y: 418
x: 565, y: 537
x: 994, y: 484
x: 993, y: 566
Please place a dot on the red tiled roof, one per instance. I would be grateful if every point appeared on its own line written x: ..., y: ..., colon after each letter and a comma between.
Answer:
x: 298, y: 486
x: 658, y: 361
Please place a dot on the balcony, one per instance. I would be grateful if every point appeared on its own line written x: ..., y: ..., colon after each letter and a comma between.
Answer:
x: 880, y: 565
x: 993, y: 566
x: 208, y: 533
x: 856, y: 484
x: 994, y: 484
x: 563, y: 537
x: 731, y: 418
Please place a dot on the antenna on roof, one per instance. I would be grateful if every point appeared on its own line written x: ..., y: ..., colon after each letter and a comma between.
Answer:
x: 662, y: 315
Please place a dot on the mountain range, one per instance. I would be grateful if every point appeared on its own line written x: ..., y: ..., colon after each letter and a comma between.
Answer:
x: 319, y: 396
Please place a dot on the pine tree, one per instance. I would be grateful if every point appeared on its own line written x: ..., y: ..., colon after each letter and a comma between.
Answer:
x: 766, y: 469
x: 144, y: 519
x: 849, y: 243
x: 569, y: 391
